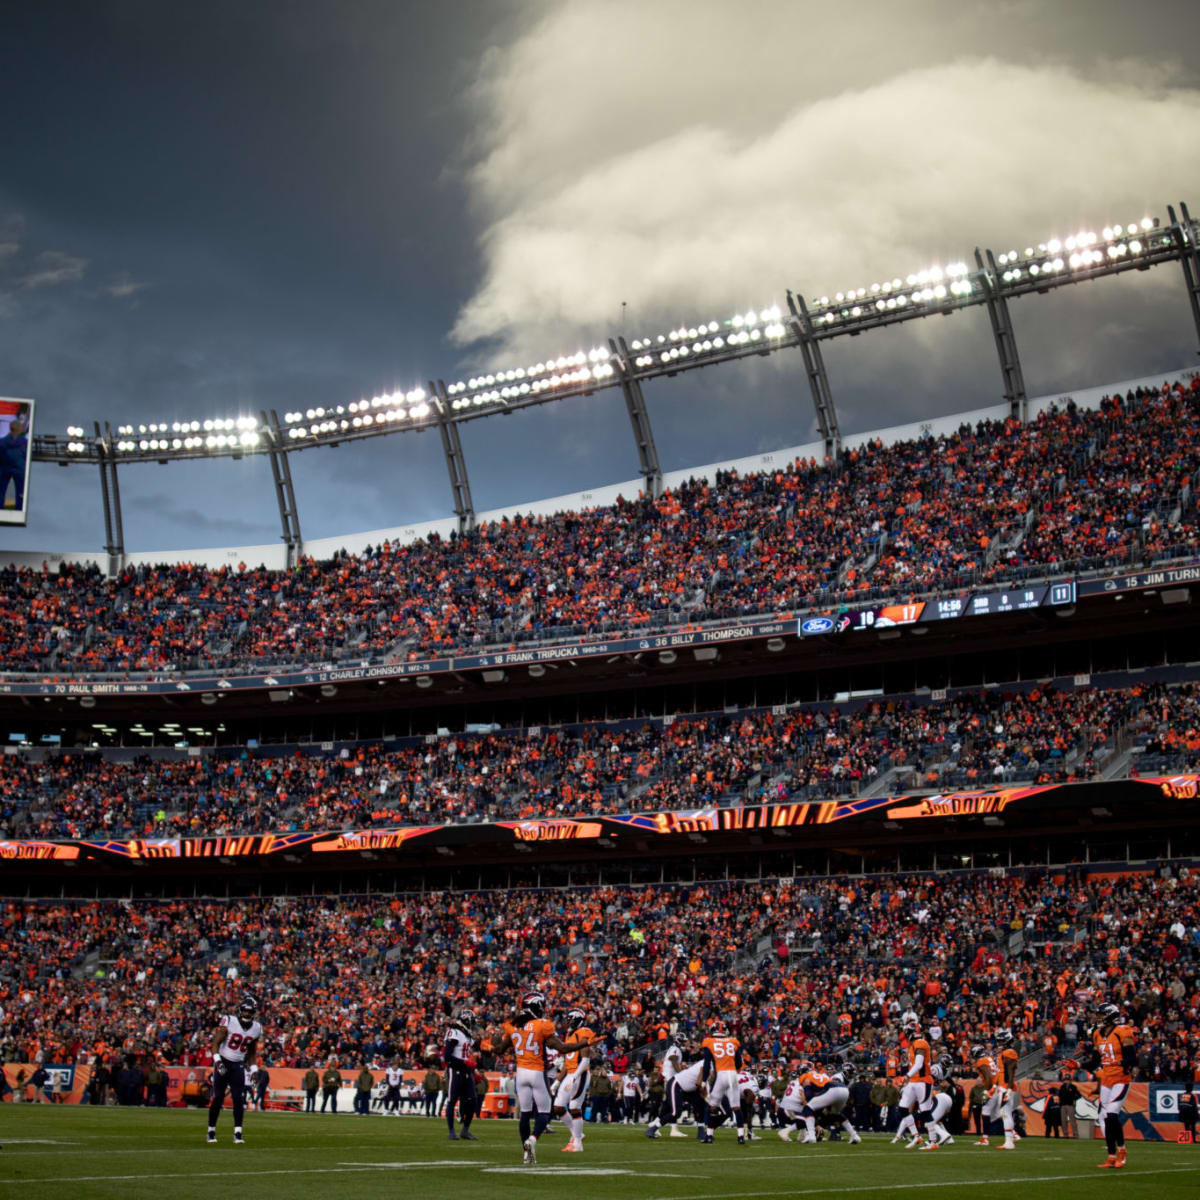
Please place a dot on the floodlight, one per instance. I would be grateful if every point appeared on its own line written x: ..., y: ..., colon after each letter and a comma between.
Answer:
x: 1135, y: 246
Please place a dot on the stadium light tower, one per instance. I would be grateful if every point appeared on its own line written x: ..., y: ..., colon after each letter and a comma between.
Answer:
x: 285, y: 493
x: 110, y: 495
x: 456, y: 463
x: 818, y: 381
x: 1185, y: 237
x: 639, y: 418
x: 1002, y: 331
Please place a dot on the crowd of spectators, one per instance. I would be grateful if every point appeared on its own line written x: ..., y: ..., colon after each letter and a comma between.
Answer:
x: 972, y: 739
x: 1071, y: 489
x: 372, y: 978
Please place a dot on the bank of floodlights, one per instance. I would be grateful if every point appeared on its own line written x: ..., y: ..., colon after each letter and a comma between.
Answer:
x: 388, y: 411
x: 1081, y: 255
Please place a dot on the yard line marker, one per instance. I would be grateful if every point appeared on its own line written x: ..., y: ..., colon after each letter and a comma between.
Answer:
x: 899, y: 1187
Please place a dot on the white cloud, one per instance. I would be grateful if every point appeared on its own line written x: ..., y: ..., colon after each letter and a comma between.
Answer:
x: 54, y: 267
x: 122, y: 286
x: 694, y: 163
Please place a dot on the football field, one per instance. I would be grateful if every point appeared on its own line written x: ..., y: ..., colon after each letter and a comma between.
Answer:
x: 114, y: 1152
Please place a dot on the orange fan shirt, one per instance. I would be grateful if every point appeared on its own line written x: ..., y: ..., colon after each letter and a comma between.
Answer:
x: 582, y: 1034
x: 724, y: 1051
x: 1111, y: 1046
x: 529, y: 1044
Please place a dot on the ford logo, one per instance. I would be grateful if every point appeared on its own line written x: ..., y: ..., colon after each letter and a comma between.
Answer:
x: 816, y: 625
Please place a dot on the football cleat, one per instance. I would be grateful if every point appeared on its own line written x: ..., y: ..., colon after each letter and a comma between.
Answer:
x: 467, y: 1136
x: 930, y: 1146
x: 238, y: 1140
x: 453, y: 1136
x: 1108, y: 1163
x: 212, y: 1137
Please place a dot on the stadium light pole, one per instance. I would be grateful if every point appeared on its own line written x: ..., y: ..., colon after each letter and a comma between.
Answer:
x: 1189, y: 259
x: 818, y: 380
x: 456, y: 463
x: 110, y: 495
x: 1002, y: 331
x: 285, y: 493
x: 639, y: 418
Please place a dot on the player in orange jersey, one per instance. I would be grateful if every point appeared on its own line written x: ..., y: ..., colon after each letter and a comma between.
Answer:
x: 529, y: 1040
x: 722, y: 1061
x: 918, y: 1088
x: 1114, y: 1053
x: 998, y: 1097
x: 572, y: 1091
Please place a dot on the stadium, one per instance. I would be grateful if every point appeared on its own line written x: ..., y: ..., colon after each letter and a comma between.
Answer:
x: 842, y: 795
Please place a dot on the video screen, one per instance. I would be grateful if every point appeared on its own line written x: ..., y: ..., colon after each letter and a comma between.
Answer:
x: 16, y: 448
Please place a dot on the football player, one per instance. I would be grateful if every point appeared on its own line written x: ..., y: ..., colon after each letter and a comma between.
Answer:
x: 529, y: 1040
x: 722, y: 1061
x: 998, y: 1099
x: 235, y: 1047
x: 687, y: 1091
x: 748, y: 1101
x: 458, y: 1051
x: 1114, y: 1053
x: 940, y: 1103
x: 672, y: 1064
x: 830, y: 1105
x: 918, y: 1087
x: 572, y: 1091
x: 791, y: 1105
x: 394, y: 1077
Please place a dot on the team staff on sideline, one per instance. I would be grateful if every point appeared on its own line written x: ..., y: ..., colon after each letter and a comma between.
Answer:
x: 331, y: 1083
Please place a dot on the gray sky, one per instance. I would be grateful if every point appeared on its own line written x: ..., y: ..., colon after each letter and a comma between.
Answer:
x: 208, y: 208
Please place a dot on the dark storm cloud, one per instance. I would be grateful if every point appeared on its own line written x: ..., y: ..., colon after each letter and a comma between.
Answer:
x: 217, y: 208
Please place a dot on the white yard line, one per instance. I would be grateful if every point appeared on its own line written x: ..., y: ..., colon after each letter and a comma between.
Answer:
x: 900, y: 1187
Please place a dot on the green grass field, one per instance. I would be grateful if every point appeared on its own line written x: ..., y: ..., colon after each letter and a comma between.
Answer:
x: 140, y: 1152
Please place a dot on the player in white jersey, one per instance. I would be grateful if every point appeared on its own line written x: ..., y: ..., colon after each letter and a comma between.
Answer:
x: 940, y: 1104
x: 748, y: 1100
x: 393, y: 1077
x: 235, y: 1047
x: 631, y: 1095
x: 672, y: 1064
x: 791, y: 1107
x: 458, y: 1049
x: 687, y: 1092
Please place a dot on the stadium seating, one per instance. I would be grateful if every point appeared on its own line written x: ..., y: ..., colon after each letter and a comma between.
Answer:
x: 1071, y: 490
x: 974, y: 739
x: 368, y: 977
